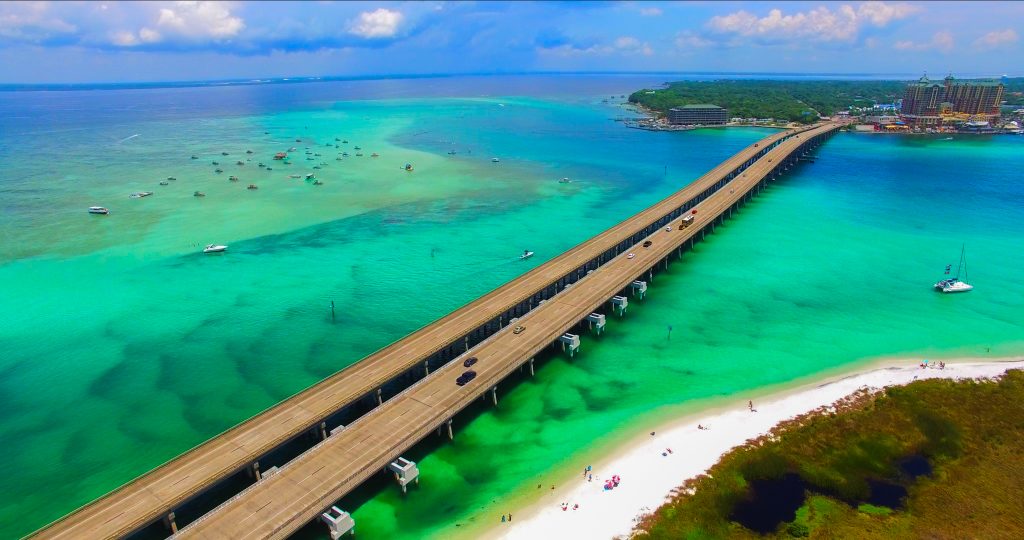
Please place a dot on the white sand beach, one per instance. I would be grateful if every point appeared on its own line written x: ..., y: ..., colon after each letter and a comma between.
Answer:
x: 649, y: 473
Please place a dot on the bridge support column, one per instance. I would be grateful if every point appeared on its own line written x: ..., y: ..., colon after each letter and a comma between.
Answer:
x: 494, y: 396
x: 531, y: 367
x: 426, y: 366
x: 451, y: 436
x: 170, y: 523
x: 466, y: 341
x: 323, y: 431
x: 380, y: 398
x: 254, y: 471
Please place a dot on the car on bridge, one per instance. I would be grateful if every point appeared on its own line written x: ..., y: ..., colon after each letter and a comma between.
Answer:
x: 469, y: 361
x: 647, y: 243
x: 518, y: 329
x: 465, y: 378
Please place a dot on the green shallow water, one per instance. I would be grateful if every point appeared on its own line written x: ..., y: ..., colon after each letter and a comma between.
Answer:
x: 121, y: 346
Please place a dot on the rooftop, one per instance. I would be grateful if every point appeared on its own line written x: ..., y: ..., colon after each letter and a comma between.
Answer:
x: 699, y: 106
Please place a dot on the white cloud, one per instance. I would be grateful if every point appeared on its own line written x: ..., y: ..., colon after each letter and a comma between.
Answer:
x: 650, y: 11
x: 996, y: 38
x: 819, y: 24
x: 630, y: 44
x: 941, y: 41
x: 31, y: 21
x: 689, y: 40
x: 200, y: 19
x: 380, y: 23
x: 124, y: 39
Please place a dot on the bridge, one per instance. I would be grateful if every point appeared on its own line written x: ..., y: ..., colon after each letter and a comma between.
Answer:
x: 408, y: 388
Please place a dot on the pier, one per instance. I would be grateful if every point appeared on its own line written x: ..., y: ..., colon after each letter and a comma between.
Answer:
x: 408, y: 388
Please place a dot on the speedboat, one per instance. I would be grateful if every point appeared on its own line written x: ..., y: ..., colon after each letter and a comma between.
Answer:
x: 233, y: 178
x: 495, y: 160
x: 408, y: 167
x: 214, y: 248
x: 98, y: 210
x: 565, y: 180
x: 171, y: 178
x: 526, y: 254
x: 317, y: 183
x: 294, y: 176
x: 199, y: 194
x: 140, y: 194
x: 375, y: 154
x: 164, y: 183
x: 251, y: 186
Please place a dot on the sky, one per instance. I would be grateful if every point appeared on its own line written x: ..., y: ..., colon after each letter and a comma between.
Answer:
x: 106, y: 41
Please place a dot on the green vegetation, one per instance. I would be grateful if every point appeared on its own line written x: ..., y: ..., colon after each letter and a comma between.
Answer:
x: 969, y: 434
x: 793, y: 101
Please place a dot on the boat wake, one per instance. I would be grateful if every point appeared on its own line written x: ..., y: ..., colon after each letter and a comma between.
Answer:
x: 128, y: 138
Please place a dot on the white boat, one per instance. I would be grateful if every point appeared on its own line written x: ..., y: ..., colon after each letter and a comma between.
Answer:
x: 565, y: 180
x: 526, y: 254
x: 495, y: 160
x: 214, y: 248
x: 140, y: 194
x: 98, y: 210
x: 955, y: 284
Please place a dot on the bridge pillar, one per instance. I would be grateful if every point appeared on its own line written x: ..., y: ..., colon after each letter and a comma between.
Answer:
x: 380, y: 398
x: 466, y: 342
x: 253, y: 470
x: 170, y: 523
x: 451, y: 436
x: 323, y: 431
x: 494, y: 395
x: 531, y: 367
x: 426, y: 363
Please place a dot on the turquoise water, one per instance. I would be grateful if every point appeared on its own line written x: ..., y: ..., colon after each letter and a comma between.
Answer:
x: 121, y: 345
x: 832, y: 266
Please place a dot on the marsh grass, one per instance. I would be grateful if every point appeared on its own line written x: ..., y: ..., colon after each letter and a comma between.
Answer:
x: 855, y: 454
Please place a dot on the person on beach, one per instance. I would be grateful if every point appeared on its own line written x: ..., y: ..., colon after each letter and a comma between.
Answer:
x: 750, y: 405
x: 510, y: 517
x: 503, y: 518
x: 590, y: 478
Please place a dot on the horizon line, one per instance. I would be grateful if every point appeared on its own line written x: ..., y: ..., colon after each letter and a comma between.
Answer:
x: 385, y: 76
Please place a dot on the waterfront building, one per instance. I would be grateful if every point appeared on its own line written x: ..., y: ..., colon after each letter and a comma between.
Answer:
x: 928, y: 103
x: 708, y: 115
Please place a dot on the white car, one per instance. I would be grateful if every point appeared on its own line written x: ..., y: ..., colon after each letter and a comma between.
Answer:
x: 668, y: 229
x: 631, y: 255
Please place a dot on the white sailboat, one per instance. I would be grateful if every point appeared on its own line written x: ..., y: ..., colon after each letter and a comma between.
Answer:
x: 955, y: 284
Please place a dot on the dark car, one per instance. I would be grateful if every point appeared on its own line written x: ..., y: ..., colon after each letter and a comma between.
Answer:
x: 647, y: 243
x: 469, y: 361
x: 465, y: 378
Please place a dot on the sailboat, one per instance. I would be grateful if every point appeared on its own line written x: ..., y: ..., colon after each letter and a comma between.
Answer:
x: 954, y: 284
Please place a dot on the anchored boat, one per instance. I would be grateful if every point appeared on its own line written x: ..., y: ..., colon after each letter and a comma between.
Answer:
x: 955, y: 284
x: 214, y: 248
x: 98, y: 210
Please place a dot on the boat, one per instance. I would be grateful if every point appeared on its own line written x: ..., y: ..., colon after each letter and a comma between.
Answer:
x: 948, y: 139
x: 233, y: 178
x: 218, y: 171
x: 164, y: 183
x: 214, y: 163
x: 171, y: 178
x: 248, y: 151
x: 451, y: 152
x: 195, y: 157
x: 239, y: 162
x: 251, y: 186
x: 356, y: 148
x: 526, y: 254
x: 955, y: 284
x: 565, y: 181
x: 280, y: 155
x: 98, y: 210
x: 140, y: 194
x: 317, y: 183
x: 223, y: 153
x: 214, y: 248
x: 199, y: 194
x: 344, y: 142
x: 375, y: 154
x: 359, y: 154
x: 310, y: 176
x: 294, y: 176
x: 495, y: 160
x: 408, y: 167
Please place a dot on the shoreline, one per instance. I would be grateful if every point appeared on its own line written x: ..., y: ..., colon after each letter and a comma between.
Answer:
x: 650, y: 474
